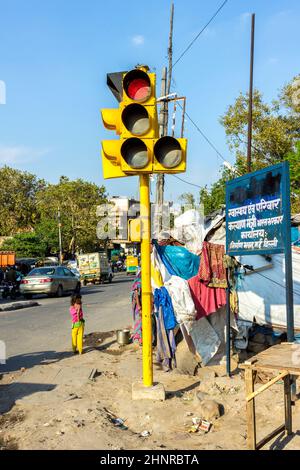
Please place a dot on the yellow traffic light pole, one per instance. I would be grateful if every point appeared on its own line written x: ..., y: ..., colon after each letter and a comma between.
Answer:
x: 140, y: 151
x: 146, y: 279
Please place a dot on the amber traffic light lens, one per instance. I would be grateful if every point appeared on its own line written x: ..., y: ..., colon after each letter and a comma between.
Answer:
x: 137, y: 85
x: 167, y: 151
x: 136, y: 119
x: 135, y: 153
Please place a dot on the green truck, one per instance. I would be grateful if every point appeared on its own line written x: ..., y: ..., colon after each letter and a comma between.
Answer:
x: 94, y: 267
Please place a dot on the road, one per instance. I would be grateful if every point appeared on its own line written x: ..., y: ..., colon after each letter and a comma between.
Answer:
x: 32, y: 335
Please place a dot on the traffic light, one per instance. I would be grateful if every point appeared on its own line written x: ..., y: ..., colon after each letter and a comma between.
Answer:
x: 169, y: 155
x: 139, y: 148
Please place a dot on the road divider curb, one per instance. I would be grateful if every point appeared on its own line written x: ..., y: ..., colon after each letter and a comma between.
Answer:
x: 18, y: 306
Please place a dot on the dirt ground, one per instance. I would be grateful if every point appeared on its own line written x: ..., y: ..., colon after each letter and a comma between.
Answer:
x: 57, y: 405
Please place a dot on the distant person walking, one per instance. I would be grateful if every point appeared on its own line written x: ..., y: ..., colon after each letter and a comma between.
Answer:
x: 11, y: 275
x: 77, y: 323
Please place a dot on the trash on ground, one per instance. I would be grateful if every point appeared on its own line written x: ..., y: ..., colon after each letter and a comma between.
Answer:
x: 119, y: 423
x: 196, y: 420
x: 205, y: 425
x: 72, y: 396
x: 145, y: 433
x: 200, y: 425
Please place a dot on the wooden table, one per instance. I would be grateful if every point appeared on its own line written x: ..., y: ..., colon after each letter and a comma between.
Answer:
x: 283, y: 359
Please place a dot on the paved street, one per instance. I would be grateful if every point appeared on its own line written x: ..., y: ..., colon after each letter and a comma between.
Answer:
x: 38, y: 333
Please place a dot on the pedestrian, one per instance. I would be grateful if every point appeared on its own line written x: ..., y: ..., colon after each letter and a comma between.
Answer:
x: 77, y: 323
x: 136, y: 302
x: 11, y: 275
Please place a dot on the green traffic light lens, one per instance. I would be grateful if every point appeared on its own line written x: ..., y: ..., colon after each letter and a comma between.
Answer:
x: 135, y: 153
x: 168, y: 152
x: 136, y: 119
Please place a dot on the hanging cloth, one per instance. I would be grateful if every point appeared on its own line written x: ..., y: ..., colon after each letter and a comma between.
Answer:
x: 179, y: 261
x: 212, y: 269
x: 162, y: 299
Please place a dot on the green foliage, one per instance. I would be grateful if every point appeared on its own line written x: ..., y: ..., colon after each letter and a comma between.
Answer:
x: 188, y: 200
x: 213, y: 198
x: 18, y: 200
x: 275, y: 138
x: 294, y: 159
x: 27, y: 244
x: 77, y: 202
x: 29, y: 209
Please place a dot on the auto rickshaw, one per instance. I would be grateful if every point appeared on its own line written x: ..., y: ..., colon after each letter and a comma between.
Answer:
x: 132, y: 265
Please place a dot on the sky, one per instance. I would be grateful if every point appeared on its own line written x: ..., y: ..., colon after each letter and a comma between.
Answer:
x: 54, y: 57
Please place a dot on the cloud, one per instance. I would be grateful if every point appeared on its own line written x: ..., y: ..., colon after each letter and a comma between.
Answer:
x: 138, y: 40
x: 20, y: 154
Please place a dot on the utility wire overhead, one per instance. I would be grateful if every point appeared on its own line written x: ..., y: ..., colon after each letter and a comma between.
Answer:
x: 202, y: 30
x: 187, y: 182
x: 203, y: 135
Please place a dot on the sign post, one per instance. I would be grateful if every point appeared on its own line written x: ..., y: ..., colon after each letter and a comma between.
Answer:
x: 258, y: 219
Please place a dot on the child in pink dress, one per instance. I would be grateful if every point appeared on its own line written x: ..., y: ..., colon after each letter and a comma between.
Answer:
x: 77, y: 323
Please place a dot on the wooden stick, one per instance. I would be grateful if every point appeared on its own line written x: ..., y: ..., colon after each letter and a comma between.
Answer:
x: 267, y: 385
x: 270, y: 436
x: 251, y: 422
x: 287, y: 405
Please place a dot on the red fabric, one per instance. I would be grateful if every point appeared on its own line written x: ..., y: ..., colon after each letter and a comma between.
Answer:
x: 207, y: 300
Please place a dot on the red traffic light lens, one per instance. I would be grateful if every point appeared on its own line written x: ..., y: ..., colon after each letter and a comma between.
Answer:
x: 138, y: 89
x: 137, y: 85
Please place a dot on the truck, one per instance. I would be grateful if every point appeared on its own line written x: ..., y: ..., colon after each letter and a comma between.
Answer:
x: 94, y: 267
x: 7, y: 258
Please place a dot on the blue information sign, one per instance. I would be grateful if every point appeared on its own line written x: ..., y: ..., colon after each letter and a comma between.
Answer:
x: 258, y: 212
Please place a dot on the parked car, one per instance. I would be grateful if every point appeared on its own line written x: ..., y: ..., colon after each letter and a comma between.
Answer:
x: 50, y: 280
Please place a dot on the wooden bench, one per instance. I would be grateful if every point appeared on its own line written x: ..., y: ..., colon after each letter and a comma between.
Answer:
x: 283, y: 359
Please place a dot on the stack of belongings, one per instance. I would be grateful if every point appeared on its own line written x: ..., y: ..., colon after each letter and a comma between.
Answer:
x: 189, y: 293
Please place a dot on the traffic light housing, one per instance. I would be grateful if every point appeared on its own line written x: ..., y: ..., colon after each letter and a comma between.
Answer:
x: 139, y: 148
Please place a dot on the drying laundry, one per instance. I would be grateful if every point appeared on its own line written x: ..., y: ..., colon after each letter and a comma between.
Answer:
x: 207, y: 300
x: 212, y: 269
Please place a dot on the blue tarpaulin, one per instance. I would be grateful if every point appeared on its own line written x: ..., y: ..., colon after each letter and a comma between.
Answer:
x: 179, y: 261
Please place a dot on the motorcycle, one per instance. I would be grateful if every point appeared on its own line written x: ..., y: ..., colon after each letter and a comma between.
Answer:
x: 10, y: 289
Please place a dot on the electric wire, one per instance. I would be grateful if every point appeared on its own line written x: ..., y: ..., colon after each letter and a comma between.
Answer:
x: 187, y: 182
x: 269, y: 279
x: 203, y: 135
x: 199, y: 34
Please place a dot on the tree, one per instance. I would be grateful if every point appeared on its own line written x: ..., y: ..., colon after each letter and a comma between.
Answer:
x: 18, y: 200
x: 188, y: 200
x: 77, y: 201
x: 213, y: 198
x: 27, y: 244
x: 294, y: 159
x: 276, y: 136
